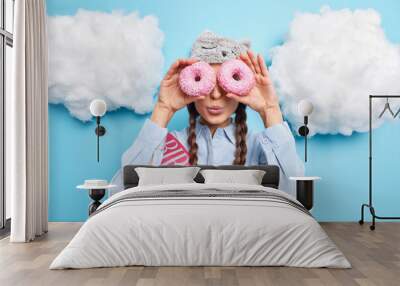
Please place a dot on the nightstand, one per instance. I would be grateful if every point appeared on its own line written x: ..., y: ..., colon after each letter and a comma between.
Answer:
x: 305, y: 190
x: 97, y: 190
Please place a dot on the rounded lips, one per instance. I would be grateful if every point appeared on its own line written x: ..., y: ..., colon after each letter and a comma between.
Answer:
x: 215, y: 110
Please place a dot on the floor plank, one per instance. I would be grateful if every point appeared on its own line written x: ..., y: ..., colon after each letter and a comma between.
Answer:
x: 375, y: 257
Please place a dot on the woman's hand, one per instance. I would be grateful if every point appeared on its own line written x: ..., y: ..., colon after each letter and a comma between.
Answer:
x: 262, y: 98
x: 171, y: 98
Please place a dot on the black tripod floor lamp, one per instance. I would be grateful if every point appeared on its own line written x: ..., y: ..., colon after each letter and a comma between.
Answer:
x: 370, y: 201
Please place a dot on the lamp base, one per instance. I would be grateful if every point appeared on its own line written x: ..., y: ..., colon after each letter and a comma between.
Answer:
x: 100, y: 130
x: 303, y: 131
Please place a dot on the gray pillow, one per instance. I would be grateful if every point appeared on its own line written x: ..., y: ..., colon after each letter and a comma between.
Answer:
x: 248, y: 177
x: 166, y: 176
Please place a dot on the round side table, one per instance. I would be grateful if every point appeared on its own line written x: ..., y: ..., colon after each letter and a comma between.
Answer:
x: 305, y: 190
x: 96, y: 193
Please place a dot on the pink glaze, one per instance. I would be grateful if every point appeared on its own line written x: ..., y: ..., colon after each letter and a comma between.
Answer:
x: 234, y: 76
x: 197, y: 79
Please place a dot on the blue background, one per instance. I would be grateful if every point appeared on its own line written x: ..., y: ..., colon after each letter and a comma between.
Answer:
x: 341, y: 161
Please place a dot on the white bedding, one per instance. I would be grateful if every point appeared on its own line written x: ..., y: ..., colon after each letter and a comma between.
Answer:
x: 182, y: 231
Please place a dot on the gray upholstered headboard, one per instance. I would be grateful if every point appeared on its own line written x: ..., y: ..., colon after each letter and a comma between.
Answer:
x: 270, y: 179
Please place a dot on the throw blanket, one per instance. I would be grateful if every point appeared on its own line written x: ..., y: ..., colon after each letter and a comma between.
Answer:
x: 210, y: 193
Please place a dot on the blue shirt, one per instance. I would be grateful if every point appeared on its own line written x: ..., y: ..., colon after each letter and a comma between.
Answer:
x: 274, y: 145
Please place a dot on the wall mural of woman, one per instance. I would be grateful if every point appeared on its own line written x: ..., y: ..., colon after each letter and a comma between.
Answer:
x: 311, y: 52
x: 217, y: 133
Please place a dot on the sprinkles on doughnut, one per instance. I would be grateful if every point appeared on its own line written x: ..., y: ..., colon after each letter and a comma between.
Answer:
x: 234, y: 76
x: 197, y: 79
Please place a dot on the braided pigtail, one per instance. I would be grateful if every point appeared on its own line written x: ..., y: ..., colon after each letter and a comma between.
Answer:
x: 193, y: 114
x: 241, y: 135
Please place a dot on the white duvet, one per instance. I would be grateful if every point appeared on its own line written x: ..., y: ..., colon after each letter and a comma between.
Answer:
x: 183, y: 231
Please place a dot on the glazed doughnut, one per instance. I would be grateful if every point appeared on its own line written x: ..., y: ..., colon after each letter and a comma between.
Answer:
x: 197, y: 79
x: 234, y: 76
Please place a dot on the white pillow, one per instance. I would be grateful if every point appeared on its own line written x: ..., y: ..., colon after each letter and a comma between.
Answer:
x: 249, y: 177
x: 166, y: 176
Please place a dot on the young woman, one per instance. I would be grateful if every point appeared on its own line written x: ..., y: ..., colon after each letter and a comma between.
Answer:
x: 217, y: 133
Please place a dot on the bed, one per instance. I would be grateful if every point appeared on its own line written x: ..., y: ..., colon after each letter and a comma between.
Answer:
x: 198, y: 224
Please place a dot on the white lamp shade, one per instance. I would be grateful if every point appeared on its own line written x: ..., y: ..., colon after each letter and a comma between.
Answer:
x: 305, y: 107
x: 98, y: 107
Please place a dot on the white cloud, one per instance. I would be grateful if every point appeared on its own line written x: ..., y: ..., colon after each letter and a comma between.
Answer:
x: 113, y: 56
x: 336, y: 59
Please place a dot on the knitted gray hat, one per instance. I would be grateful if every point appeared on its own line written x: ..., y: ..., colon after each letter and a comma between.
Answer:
x: 214, y: 49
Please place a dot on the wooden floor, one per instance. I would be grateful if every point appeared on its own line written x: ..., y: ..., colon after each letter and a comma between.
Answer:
x: 375, y: 257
